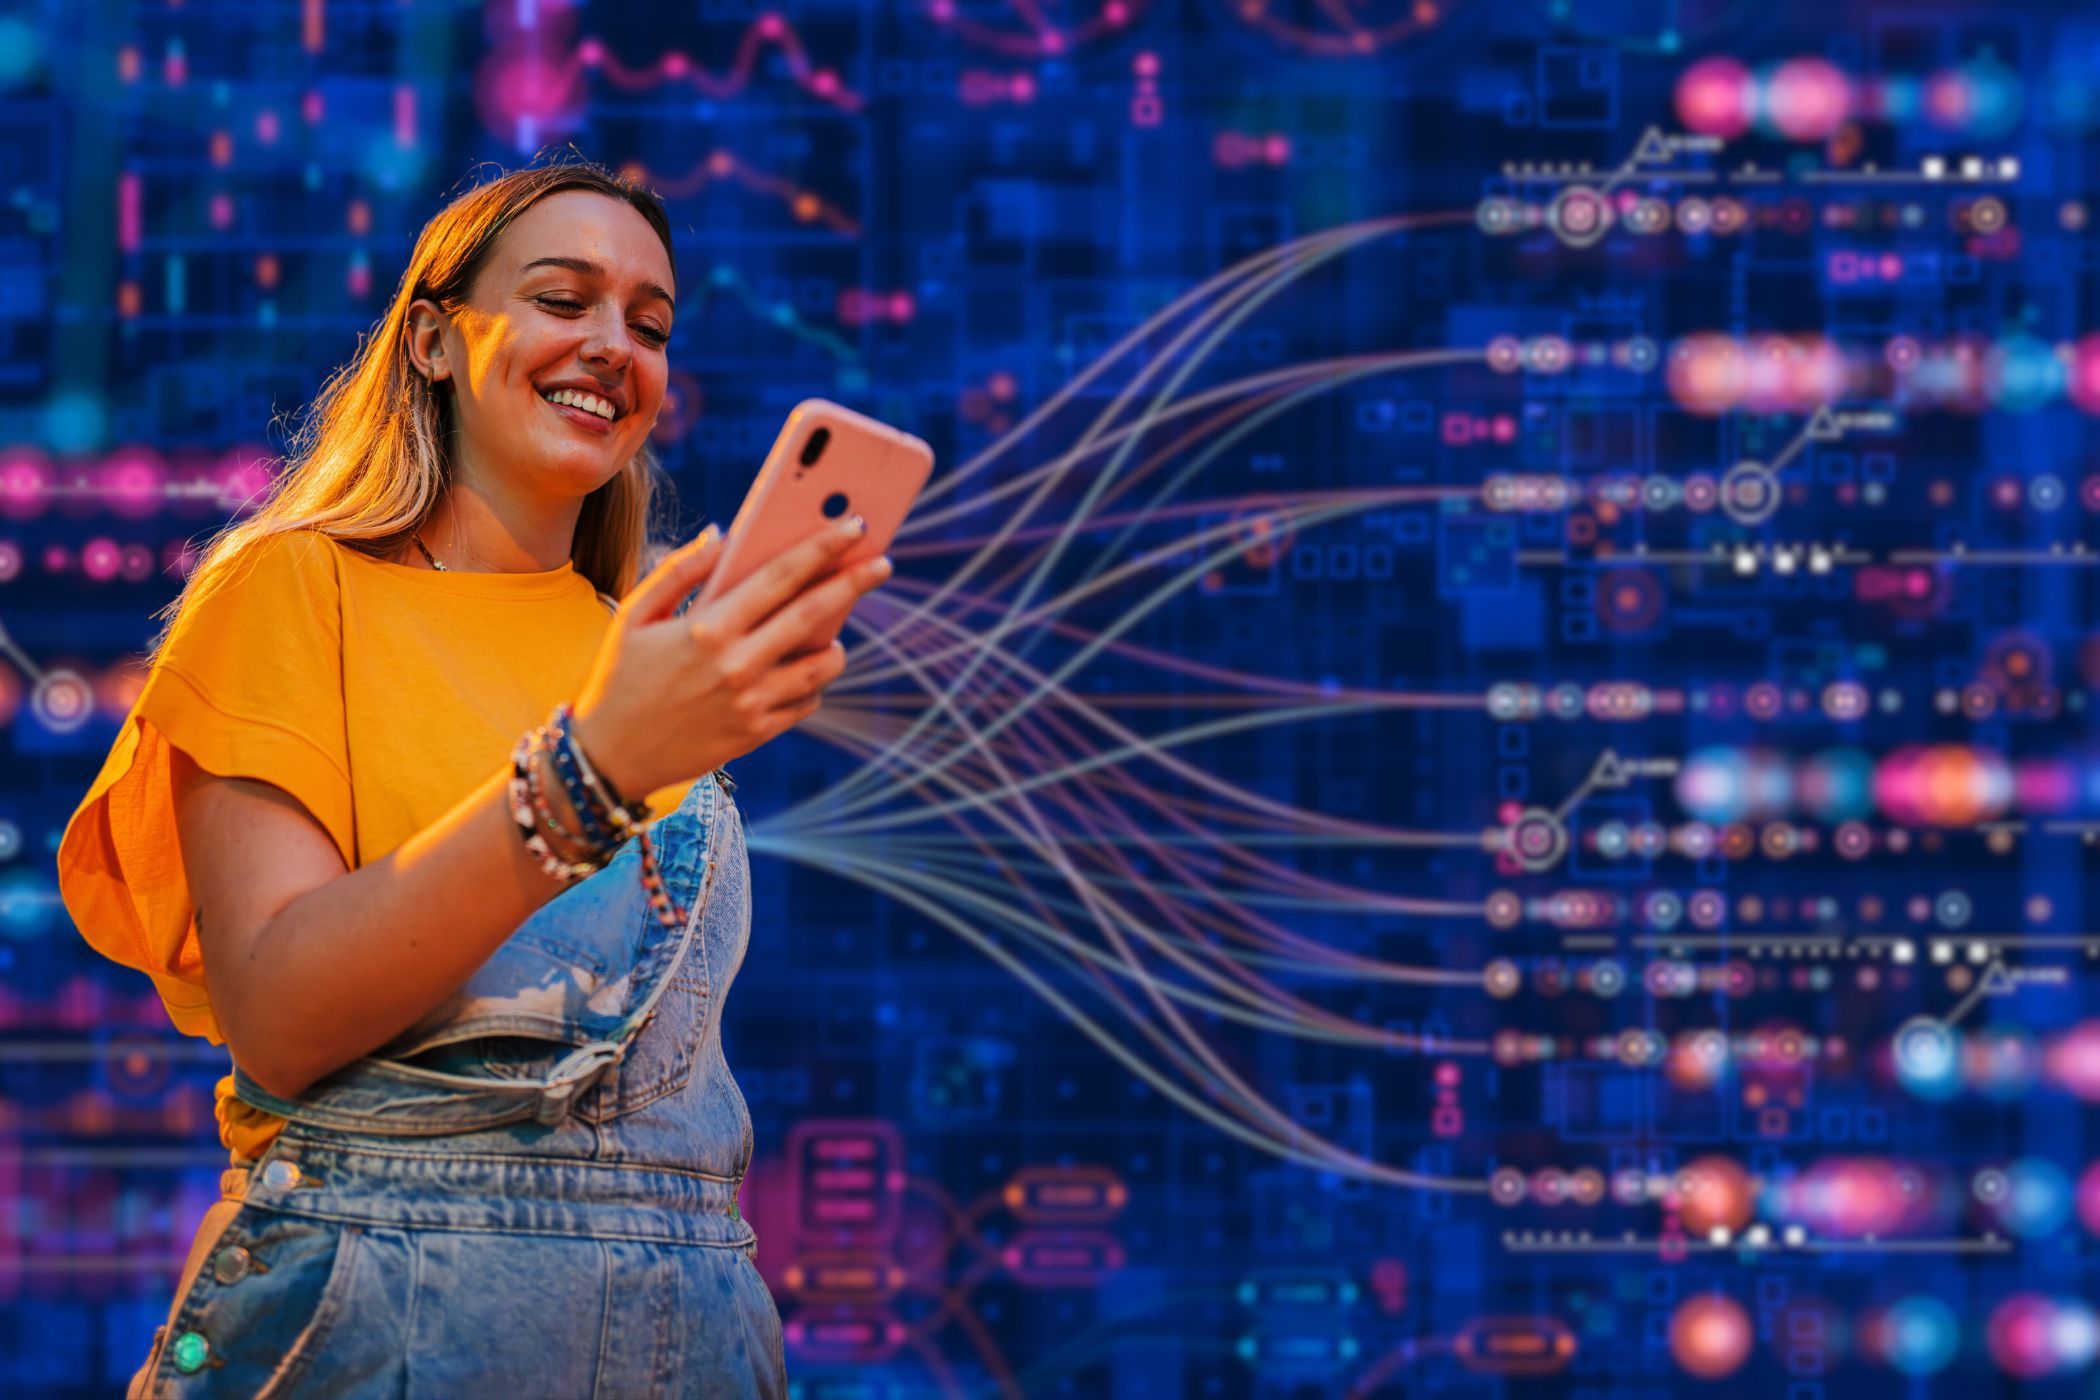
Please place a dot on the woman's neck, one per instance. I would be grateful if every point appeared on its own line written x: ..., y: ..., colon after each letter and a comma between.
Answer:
x: 477, y: 530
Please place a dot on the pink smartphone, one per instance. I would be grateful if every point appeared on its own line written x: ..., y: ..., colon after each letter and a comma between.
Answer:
x: 828, y: 462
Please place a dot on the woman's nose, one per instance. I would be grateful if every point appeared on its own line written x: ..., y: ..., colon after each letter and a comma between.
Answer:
x: 610, y: 342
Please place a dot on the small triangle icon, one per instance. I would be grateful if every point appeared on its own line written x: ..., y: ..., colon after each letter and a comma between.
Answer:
x: 1610, y: 772
x: 1823, y: 427
x: 1651, y: 150
x: 1997, y: 982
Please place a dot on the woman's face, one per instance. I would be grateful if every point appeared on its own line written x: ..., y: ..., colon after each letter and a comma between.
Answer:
x: 576, y: 296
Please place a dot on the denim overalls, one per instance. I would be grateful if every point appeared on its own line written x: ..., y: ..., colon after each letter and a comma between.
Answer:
x: 530, y: 1193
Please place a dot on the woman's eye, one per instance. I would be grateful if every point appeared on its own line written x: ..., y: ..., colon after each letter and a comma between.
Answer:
x: 647, y: 332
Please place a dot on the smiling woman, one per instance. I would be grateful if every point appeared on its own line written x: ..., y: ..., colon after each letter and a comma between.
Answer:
x: 581, y: 330
x: 482, y: 1136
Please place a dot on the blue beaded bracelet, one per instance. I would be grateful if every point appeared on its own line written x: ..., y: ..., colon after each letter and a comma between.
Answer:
x: 596, y: 833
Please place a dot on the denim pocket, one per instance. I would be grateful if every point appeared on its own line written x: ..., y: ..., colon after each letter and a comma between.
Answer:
x: 661, y: 1057
x: 260, y: 1324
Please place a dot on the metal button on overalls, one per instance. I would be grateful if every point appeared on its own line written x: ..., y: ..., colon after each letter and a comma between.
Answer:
x: 191, y: 1352
x: 231, y: 1264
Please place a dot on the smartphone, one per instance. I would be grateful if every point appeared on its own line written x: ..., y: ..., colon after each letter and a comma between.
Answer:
x: 827, y: 463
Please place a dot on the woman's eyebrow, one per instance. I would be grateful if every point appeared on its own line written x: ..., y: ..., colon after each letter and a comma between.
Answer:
x: 591, y: 269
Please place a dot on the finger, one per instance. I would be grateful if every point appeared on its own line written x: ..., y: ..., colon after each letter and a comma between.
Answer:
x: 677, y: 574
x: 793, y: 715
x: 791, y: 627
x: 786, y: 686
x: 819, y: 635
x: 785, y: 575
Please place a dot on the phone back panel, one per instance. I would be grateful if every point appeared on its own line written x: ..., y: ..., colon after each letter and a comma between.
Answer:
x: 864, y: 467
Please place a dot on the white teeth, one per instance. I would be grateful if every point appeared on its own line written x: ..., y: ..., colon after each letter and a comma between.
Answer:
x: 576, y: 398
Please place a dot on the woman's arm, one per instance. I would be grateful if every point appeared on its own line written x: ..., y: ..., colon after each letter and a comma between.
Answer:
x: 310, y: 965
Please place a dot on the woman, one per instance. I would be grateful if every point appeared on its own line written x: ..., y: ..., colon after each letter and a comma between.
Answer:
x: 482, y: 1135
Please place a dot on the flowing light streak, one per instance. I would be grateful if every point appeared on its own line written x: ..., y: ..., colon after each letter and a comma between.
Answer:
x: 1336, y: 1159
x: 1266, y: 1124
x: 1274, y: 877
x: 835, y: 807
x: 997, y: 747
x: 1350, y: 236
x: 1241, y: 303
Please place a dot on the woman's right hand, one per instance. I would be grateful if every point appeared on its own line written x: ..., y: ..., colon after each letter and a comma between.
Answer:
x: 672, y: 697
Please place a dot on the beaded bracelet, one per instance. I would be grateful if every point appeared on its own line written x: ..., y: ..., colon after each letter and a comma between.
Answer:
x: 596, y: 808
x: 626, y: 818
x: 596, y: 827
x: 558, y: 834
x: 523, y: 813
x: 668, y: 912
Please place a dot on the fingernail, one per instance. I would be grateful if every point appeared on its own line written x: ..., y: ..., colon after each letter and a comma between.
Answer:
x: 711, y: 534
x: 881, y: 567
x: 858, y: 524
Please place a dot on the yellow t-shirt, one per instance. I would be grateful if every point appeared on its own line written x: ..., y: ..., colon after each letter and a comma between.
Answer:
x: 376, y: 694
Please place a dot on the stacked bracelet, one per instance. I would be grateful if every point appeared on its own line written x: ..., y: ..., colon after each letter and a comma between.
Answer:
x: 527, y: 804
x: 605, y: 805
x: 606, y: 821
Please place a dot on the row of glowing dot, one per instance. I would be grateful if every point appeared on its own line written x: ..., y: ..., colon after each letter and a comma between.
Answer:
x: 133, y: 482
x: 1707, y: 372
x: 1934, y: 1061
x: 1517, y: 701
x: 1810, y: 98
x: 1708, y: 909
x: 2028, y: 1335
x: 1701, y: 492
x: 1615, y: 840
x: 1716, y: 1199
x: 1938, y: 785
x: 1677, y: 978
x: 1664, y: 909
x: 1712, y: 372
x: 1998, y: 1062
x: 1580, y: 214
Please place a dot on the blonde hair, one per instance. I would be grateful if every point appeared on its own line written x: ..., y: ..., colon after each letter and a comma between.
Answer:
x: 369, y: 461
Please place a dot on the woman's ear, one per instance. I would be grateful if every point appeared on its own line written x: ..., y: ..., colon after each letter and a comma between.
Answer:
x: 425, y: 338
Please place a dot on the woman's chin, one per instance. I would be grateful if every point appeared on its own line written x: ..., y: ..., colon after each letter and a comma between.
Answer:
x: 578, y: 473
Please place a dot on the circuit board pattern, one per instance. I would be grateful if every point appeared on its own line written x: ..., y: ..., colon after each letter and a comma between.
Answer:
x: 1480, y: 777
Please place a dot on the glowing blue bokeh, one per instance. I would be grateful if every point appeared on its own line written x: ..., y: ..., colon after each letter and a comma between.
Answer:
x: 2037, y: 1198
x: 1923, y: 1335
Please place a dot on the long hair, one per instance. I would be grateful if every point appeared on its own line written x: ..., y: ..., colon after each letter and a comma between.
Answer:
x: 369, y: 459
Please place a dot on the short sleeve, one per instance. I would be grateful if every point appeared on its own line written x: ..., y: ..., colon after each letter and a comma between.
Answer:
x: 249, y: 684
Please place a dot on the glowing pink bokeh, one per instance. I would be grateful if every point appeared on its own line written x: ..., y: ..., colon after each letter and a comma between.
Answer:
x: 1717, y: 97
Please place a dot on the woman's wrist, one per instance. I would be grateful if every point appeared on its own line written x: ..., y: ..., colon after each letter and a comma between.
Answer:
x: 603, y: 822
x: 565, y: 820
x: 616, y: 768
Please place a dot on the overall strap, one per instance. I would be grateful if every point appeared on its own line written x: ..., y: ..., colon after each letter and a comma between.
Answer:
x: 586, y: 1064
x: 548, y: 1099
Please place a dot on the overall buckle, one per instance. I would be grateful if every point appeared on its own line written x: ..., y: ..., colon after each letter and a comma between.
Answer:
x: 577, y: 1071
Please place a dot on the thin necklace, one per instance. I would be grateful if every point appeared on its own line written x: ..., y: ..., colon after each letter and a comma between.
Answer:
x: 418, y: 538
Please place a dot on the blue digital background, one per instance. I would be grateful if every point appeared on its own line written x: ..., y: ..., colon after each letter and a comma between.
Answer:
x: 1730, y: 535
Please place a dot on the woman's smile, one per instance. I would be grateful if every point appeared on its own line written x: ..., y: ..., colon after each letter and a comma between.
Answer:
x: 582, y: 418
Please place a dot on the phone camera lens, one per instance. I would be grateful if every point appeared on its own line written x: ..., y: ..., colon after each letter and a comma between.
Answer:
x: 835, y: 504
x: 814, y: 447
